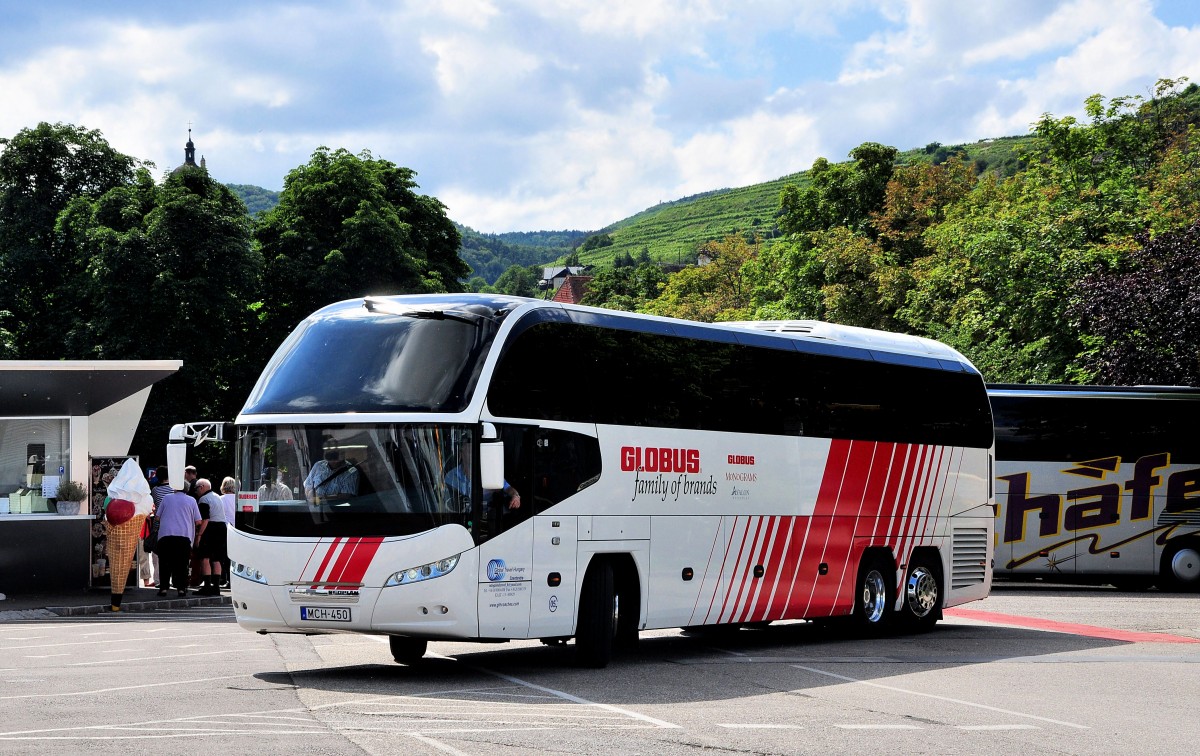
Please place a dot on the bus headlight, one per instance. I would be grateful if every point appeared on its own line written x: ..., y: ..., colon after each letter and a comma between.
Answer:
x: 248, y: 572
x: 424, y: 572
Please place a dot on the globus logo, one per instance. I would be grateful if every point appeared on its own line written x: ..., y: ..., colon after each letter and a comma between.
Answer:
x: 659, y: 459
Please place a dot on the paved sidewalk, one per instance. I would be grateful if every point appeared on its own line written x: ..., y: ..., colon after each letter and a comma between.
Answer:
x: 73, y: 603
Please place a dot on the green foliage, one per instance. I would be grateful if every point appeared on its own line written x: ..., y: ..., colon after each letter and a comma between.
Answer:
x: 842, y: 194
x: 716, y: 291
x: 626, y: 288
x: 41, y: 171
x: 489, y: 255
x: 596, y: 241
x: 167, y: 272
x: 69, y: 490
x: 255, y: 198
x: 518, y: 281
x: 349, y: 226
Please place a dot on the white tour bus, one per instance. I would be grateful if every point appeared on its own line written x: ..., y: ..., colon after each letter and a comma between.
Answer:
x: 668, y: 474
x: 1098, y: 484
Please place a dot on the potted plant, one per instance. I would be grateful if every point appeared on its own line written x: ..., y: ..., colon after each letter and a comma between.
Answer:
x: 70, y: 496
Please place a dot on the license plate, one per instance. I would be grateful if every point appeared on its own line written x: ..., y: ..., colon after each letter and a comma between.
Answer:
x: 325, y: 613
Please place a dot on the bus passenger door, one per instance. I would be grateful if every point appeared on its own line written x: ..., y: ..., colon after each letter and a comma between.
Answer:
x: 565, y: 465
x: 506, y: 557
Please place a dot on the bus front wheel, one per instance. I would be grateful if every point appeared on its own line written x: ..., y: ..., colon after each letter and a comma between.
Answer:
x: 598, y: 617
x: 407, y: 650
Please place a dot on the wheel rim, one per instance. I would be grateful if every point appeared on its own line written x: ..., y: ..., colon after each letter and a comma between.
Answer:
x: 1185, y: 565
x: 874, y: 598
x: 616, y: 613
x: 921, y: 592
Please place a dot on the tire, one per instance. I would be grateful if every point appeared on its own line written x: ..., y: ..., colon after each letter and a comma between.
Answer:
x: 407, y: 650
x: 923, y: 594
x: 1180, y: 569
x: 873, y: 613
x: 598, y: 618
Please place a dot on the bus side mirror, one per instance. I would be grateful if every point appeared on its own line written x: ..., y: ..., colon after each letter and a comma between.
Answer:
x: 491, y: 465
x: 176, y: 461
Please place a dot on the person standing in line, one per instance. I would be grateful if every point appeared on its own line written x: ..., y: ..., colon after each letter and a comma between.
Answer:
x: 189, y: 482
x: 178, y: 518
x: 210, y: 539
x: 229, y: 490
x: 161, y: 489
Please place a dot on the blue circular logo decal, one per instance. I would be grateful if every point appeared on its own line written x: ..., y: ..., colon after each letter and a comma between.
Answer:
x: 496, y: 569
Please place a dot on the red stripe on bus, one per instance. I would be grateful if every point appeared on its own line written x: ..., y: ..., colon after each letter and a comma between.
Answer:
x: 361, y: 560
x: 759, y: 586
x: 831, y: 482
x: 1090, y: 631
x: 839, y: 529
x: 339, y: 566
x: 721, y: 572
x: 790, y: 568
x: 324, y: 562
x: 776, y: 567
x: 838, y: 591
x: 741, y: 572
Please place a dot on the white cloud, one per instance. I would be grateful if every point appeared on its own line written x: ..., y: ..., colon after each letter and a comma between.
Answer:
x: 527, y: 114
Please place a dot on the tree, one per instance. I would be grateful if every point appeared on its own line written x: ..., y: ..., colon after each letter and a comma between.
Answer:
x: 41, y: 170
x: 169, y: 273
x: 716, y: 291
x: 1142, y: 319
x: 518, y: 281
x: 841, y: 194
x: 625, y: 288
x: 348, y: 226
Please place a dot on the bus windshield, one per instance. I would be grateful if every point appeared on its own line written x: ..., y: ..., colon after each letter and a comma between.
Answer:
x: 353, y: 480
x: 358, y: 360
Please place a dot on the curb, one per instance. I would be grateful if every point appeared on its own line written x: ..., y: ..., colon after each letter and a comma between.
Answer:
x: 142, y: 606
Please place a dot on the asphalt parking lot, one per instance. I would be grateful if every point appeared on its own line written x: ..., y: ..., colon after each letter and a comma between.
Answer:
x: 1031, y: 670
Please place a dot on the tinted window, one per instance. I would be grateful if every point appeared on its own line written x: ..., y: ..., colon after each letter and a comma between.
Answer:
x: 1080, y: 428
x: 570, y: 372
x: 367, y: 362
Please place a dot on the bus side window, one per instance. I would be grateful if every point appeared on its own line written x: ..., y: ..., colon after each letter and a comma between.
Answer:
x: 565, y: 463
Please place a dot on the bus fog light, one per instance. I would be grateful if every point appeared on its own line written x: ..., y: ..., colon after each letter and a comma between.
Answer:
x: 423, y: 572
x: 445, y: 609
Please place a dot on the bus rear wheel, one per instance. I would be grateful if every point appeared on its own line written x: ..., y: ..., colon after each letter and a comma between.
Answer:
x: 407, y: 650
x: 873, y: 594
x: 599, y: 618
x: 923, y: 597
x: 1181, y: 566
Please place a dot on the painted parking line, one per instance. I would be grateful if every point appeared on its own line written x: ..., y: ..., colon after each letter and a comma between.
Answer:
x: 947, y: 699
x: 749, y: 726
x: 1090, y: 631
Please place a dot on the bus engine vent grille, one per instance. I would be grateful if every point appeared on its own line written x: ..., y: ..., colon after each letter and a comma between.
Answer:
x: 970, y: 557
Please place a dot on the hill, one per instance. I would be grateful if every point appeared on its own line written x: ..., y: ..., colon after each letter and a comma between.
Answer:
x: 670, y: 232
x: 255, y: 198
x: 674, y: 231
x: 489, y: 255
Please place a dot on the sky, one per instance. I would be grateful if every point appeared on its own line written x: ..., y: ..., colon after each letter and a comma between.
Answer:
x: 524, y: 115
